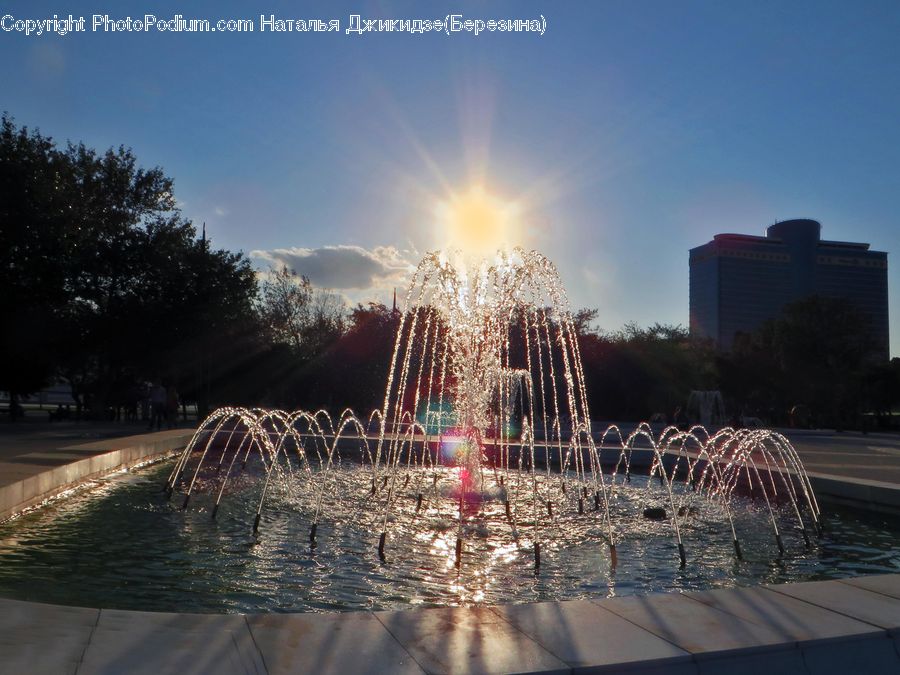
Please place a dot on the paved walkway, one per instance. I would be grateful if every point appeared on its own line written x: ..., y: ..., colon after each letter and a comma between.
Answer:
x: 850, y: 454
x: 31, y: 447
x: 28, y: 436
x: 825, y: 627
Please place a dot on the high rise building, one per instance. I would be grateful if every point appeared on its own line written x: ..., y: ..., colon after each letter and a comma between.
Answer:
x: 738, y: 281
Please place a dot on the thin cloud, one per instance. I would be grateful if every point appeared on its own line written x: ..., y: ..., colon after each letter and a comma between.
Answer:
x: 344, y: 267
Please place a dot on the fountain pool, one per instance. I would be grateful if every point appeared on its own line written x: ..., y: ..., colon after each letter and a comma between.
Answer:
x: 121, y: 544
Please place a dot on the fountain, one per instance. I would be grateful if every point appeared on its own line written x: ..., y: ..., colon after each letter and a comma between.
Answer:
x: 485, y: 429
x: 707, y: 407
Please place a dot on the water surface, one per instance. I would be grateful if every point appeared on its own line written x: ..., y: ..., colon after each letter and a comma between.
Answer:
x: 121, y: 544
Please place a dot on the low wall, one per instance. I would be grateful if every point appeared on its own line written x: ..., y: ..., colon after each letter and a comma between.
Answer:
x: 857, y: 493
x: 30, y: 484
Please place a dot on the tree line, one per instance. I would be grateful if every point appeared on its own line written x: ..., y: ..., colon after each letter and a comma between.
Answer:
x: 105, y: 285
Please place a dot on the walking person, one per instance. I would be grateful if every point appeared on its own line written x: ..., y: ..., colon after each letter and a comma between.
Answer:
x: 157, y: 405
x: 171, y: 405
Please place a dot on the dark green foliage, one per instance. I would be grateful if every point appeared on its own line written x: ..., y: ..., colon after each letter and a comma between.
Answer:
x: 103, y: 281
x: 32, y: 279
x: 638, y: 372
x: 354, y: 372
x: 881, y: 390
x: 817, y: 355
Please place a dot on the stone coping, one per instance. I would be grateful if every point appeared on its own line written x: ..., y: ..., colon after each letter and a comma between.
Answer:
x: 28, y: 479
x: 844, y: 626
x: 858, y: 493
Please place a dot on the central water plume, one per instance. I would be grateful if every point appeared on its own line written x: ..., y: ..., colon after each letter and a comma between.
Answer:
x: 487, y: 354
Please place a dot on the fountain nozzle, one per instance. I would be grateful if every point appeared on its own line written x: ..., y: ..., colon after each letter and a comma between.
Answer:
x: 381, y: 545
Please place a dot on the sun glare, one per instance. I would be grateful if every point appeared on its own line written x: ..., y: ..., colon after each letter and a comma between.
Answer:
x: 477, y: 223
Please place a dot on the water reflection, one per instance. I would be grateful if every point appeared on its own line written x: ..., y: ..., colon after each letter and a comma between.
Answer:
x: 123, y: 545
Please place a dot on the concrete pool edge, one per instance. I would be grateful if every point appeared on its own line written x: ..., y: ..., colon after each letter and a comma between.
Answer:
x: 28, y: 480
x: 858, y: 493
x: 850, y: 625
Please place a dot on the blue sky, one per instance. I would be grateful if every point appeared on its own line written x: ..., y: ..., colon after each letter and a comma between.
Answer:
x: 628, y: 133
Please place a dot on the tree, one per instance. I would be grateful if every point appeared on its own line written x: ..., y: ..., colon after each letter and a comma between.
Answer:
x: 815, y: 354
x: 353, y: 373
x: 295, y: 313
x: 302, y: 325
x: 32, y: 280
x: 881, y: 390
x: 636, y: 372
x: 284, y: 306
x: 109, y: 283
